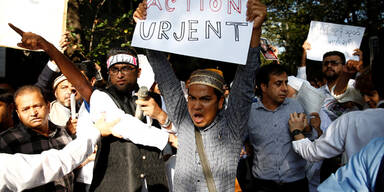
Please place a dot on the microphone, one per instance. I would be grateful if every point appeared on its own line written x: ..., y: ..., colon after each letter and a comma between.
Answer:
x: 143, y: 95
x: 73, y: 106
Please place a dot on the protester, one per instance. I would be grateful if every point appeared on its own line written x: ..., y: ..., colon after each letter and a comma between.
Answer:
x: 276, y: 166
x: 117, y: 160
x: 21, y: 171
x: 365, y: 85
x: 349, y: 133
x: 7, y: 108
x: 35, y: 133
x: 203, y: 114
x: 363, y: 172
x: 129, y: 128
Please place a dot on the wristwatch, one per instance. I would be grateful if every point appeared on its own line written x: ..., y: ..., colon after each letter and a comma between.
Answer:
x: 166, y: 124
x: 295, y: 132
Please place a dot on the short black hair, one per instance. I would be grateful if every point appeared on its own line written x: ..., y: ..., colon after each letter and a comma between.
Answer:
x: 262, y: 74
x: 337, y: 53
x: 29, y: 88
x: 6, y: 96
x: 88, y: 67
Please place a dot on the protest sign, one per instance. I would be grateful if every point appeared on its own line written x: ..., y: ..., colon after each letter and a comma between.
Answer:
x: 210, y: 29
x: 310, y: 98
x: 44, y: 17
x: 325, y: 37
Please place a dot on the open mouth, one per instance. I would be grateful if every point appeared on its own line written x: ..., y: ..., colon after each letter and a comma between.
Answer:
x: 198, y: 118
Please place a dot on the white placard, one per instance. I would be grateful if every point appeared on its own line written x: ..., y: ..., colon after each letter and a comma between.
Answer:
x: 211, y: 29
x: 310, y: 98
x: 325, y: 37
x: 44, y: 17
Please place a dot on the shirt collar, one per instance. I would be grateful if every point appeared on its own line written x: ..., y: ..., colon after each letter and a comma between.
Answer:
x: 260, y: 105
x: 52, y: 129
x: 380, y: 104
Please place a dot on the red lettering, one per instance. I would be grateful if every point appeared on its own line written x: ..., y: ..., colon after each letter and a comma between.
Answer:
x: 169, y: 9
x: 215, y: 5
x: 232, y: 4
x: 155, y: 3
x: 201, y: 5
x: 188, y: 5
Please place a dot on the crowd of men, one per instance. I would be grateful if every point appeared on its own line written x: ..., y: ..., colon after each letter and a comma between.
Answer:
x: 64, y: 133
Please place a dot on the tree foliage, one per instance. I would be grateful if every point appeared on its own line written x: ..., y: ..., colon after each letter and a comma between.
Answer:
x: 102, y: 24
x: 288, y: 21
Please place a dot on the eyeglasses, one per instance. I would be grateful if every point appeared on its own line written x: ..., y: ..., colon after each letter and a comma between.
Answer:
x: 332, y: 62
x: 123, y: 70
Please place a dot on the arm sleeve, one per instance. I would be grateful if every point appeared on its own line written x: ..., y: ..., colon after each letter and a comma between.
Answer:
x: 360, y: 173
x: 46, y: 78
x: 302, y: 72
x: 169, y: 86
x: 22, y: 171
x: 328, y: 145
x: 129, y: 127
x: 241, y: 94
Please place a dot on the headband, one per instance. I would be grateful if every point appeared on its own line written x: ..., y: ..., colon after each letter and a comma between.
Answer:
x: 121, y: 58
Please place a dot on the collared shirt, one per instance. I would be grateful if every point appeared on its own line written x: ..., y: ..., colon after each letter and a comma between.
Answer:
x: 274, y: 158
x: 21, y: 171
x: 349, y: 133
x: 361, y: 171
x: 24, y: 140
x: 222, y: 139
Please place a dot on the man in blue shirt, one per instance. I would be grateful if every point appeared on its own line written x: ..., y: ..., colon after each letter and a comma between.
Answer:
x: 362, y: 171
x: 276, y: 167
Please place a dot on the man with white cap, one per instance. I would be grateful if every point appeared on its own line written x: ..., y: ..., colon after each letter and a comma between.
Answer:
x: 60, y: 112
x: 209, y: 136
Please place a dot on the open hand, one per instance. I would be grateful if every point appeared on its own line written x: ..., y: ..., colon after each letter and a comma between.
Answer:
x: 104, y: 127
x: 297, y: 121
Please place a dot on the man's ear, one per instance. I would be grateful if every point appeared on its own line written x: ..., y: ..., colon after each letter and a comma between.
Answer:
x: 263, y: 87
x: 93, y: 81
x: 138, y: 72
x: 48, y: 106
x: 221, y: 102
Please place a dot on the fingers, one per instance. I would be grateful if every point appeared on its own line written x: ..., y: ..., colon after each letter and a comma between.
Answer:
x: 19, y: 31
x: 114, y: 122
x: 141, y: 12
x: 256, y: 11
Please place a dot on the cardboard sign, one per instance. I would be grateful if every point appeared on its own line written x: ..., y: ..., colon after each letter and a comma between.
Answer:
x: 210, y: 29
x: 325, y: 37
x: 44, y: 17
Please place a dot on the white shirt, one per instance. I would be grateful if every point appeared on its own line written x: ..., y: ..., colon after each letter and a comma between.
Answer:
x: 129, y: 127
x: 349, y: 133
x: 21, y: 171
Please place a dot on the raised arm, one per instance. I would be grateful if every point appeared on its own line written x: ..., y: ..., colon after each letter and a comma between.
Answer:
x: 35, y: 42
x: 240, y: 98
x: 169, y: 85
